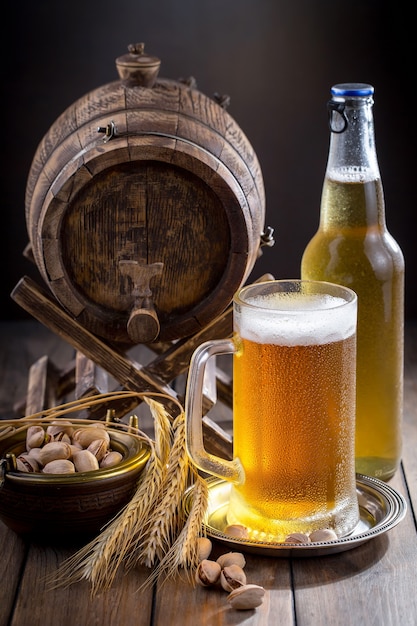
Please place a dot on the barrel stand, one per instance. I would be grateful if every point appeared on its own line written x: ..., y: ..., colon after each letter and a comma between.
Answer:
x: 87, y: 374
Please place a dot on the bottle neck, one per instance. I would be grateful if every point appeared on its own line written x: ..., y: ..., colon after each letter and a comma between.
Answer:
x: 352, y: 195
x: 352, y: 152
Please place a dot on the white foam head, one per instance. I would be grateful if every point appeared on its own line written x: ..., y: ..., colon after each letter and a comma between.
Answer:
x: 296, y: 319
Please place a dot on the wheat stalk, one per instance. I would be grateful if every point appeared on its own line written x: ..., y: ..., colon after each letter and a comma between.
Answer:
x: 151, y: 526
x: 11, y: 427
x: 183, y: 554
x: 157, y: 537
x: 162, y: 428
x: 100, y: 559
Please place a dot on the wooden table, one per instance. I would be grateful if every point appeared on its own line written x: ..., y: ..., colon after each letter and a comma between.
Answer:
x: 372, y: 584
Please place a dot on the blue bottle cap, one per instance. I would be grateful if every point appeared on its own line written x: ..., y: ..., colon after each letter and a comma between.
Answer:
x: 352, y: 89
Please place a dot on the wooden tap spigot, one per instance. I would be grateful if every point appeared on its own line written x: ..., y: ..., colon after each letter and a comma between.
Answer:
x: 143, y: 324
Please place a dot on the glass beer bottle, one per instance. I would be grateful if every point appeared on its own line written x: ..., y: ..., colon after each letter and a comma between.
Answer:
x: 353, y: 247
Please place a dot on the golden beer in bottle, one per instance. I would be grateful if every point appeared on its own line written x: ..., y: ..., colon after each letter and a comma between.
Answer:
x: 353, y: 247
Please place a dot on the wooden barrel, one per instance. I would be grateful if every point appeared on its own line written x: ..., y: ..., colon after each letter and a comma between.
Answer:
x: 145, y: 206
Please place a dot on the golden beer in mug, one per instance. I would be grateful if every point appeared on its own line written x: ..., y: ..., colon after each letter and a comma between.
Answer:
x: 294, y: 366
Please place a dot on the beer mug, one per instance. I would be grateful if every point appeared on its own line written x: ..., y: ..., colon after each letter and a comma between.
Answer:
x: 294, y: 380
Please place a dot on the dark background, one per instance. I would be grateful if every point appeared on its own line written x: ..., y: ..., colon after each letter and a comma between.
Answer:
x: 276, y: 59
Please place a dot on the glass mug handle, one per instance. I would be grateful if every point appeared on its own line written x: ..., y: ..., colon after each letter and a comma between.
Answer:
x: 229, y: 470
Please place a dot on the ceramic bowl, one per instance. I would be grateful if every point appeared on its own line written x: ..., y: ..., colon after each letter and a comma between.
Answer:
x: 68, y: 507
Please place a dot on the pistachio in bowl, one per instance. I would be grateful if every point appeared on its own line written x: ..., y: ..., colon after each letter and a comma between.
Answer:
x: 63, y: 480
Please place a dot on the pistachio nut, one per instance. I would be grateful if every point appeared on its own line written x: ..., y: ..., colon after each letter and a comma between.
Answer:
x: 297, y: 538
x: 204, y: 547
x: 231, y: 558
x: 35, y: 437
x: 62, y: 441
x: 75, y: 447
x: 62, y: 437
x: 111, y: 458
x: 246, y: 597
x: 59, y: 466
x: 84, y: 436
x: 36, y: 454
x: 99, y: 448
x: 85, y: 461
x: 58, y: 428
x: 207, y: 573
x: 55, y: 450
x: 26, y: 463
x: 232, y: 577
x: 237, y: 530
x: 323, y: 534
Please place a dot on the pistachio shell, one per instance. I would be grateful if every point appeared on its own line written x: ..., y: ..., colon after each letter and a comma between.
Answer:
x: 207, y: 573
x: 85, y: 461
x: 297, y: 538
x: 246, y: 597
x: 62, y: 437
x: 204, y: 547
x: 36, y: 454
x: 232, y: 577
x: 237, y: 530
x: 55, y: 450
x: 35, y: 437
x: 323, y: 534
x: 84, y: 436
x: 59, y: 466
x: 26, y: 463
x: 57, y: 428
x: 111, y: 458
x: 99, y: 448
x: 231, y: 558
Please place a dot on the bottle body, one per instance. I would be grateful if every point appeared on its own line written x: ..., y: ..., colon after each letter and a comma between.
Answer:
x: 353, y: 247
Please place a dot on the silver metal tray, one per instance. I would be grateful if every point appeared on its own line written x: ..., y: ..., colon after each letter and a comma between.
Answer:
x: 381, y: 508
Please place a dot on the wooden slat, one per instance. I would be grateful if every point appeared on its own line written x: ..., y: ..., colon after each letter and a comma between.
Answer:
x: 41, y: 393
x: 64, y: 384
x: 224, y: 387
x: 90, y: 379
x: 38, y: 302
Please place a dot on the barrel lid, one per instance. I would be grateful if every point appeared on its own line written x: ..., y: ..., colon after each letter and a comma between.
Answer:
x: 137, y: 67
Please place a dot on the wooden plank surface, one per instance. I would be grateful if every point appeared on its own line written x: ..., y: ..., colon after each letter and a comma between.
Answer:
x: 13, y: 556
x: 209, y: 606
x: 373, y: 584
x: 74, y: 604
